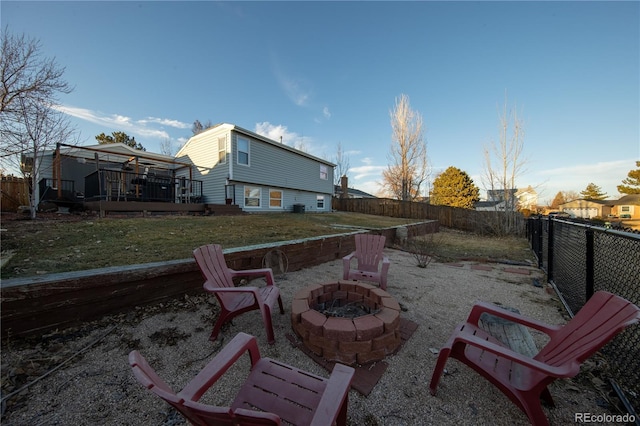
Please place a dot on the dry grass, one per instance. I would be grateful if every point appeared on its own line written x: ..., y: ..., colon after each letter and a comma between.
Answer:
x: 62, y: 243
x: 452, y: 245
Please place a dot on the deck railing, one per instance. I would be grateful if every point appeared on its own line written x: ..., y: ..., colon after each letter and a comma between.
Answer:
x: 121, y: 185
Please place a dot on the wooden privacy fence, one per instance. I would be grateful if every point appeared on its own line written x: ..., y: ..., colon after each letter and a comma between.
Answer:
x: 450, y: 217
x: 14, y: 193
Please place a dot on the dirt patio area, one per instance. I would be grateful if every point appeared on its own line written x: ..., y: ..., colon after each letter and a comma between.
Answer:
x: 95, y: 385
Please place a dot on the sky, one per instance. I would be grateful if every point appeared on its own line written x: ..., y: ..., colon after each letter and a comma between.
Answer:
x: 323, y: 74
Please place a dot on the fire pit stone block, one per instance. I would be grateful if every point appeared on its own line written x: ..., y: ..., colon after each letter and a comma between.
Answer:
x: 339, y: 329
x: 390, y: 318
x: 298, y: 307
x: 391, y: 303
x: 388, y: 342
x: 367, y: 357
x: 348, y: 340
x: 313, y: 321
x: 368, y: 327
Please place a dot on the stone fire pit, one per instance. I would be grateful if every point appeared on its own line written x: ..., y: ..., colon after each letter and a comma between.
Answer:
x: 347, y: 321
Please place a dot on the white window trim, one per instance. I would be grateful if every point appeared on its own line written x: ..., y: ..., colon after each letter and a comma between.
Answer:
x: 324, y: 202
x: 281, y: 199
x: 238, y: 151
x: 324, y: 172
x: 222, y: 149
x: 244, y: 198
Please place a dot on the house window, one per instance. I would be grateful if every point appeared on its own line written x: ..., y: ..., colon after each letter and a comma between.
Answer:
x: 324, y: 174
x: 243, y: 151
x: 252, y: 196
x: 275, y: 199
x: 320, y: 202
x: 624, y: 209
x: 222, y: 150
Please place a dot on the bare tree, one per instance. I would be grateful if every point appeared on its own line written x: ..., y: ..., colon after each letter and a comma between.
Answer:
x: 29, y: 122
x: 198, y: 127
x: 504, y: 163
x: 167, y: 147
x: 42, y: 128
x: 408, y: 170
x: 25, y: 74
x: 342, y: 165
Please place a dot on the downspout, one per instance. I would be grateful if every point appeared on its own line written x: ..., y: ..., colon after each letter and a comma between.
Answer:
x: 58, y: 171
x: 230, y: 156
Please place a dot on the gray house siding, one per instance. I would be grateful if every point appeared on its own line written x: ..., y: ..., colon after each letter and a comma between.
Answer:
x: 290, y: 198
x: 277, y: 166
x: 202, y: 152
x: 271, y: 166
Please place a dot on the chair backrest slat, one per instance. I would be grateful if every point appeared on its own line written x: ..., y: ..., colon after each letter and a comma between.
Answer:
x: 214, y: 268
x: 601, y: 318
x: 369, y: 251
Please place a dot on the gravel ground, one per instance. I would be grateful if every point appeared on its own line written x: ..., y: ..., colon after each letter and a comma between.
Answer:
x: 97, y: 387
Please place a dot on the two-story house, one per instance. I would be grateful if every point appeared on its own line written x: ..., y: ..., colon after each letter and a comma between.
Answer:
x: 258, y: 174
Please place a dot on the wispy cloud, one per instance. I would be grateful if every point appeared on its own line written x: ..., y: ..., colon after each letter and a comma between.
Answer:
x: 592, y: 170
x: 326, y: 113
x: 143, y: 127
x: 294, y: 89
x: 366, y: 170
x: 297, y: 89
x: 166, y: 122
x: 280, y: 132
x: 606, y: 174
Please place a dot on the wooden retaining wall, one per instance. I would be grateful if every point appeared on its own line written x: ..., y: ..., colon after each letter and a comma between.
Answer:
x: 35, y: 305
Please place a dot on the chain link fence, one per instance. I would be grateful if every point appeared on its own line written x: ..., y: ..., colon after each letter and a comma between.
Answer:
x: 579, y: 260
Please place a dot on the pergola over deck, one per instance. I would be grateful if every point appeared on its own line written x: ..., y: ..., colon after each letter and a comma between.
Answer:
x: 130, y: 159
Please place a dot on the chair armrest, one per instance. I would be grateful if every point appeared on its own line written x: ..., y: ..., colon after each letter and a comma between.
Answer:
x: 240, y: 344
x: 334, y: 395
x: 346, y: 265
x: 567, y: 370
x: 483, y: 307
x: 349, y: 256
x: 264, y: 272
x: 385, y: 263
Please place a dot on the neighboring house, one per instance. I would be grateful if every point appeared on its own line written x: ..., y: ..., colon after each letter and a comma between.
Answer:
x: 500, y: 194
x: 526, y: 198
x: 490, y: 206
x: 587, y: 209
x: 352, y: 193
x: 258, y: 174
x: 627, y: 207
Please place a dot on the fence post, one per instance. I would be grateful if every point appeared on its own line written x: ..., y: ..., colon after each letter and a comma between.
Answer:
x: 589, y: 265
x: 550, y: 251
x: 537, y: 234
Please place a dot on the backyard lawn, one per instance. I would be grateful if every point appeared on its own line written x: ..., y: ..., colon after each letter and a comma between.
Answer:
x: 62, y: 243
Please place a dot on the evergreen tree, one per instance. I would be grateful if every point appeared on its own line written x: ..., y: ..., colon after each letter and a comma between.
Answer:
x: 119, y: 137
x: 631, y: 184
x: 593, y: 192
x: 559, y: 199
x: 454, y: 188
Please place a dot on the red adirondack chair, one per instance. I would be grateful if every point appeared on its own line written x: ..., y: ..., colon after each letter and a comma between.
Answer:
x: 236, y: 300
x: 523, y: 379
x: 272, y: 392
x: 368, y: 255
